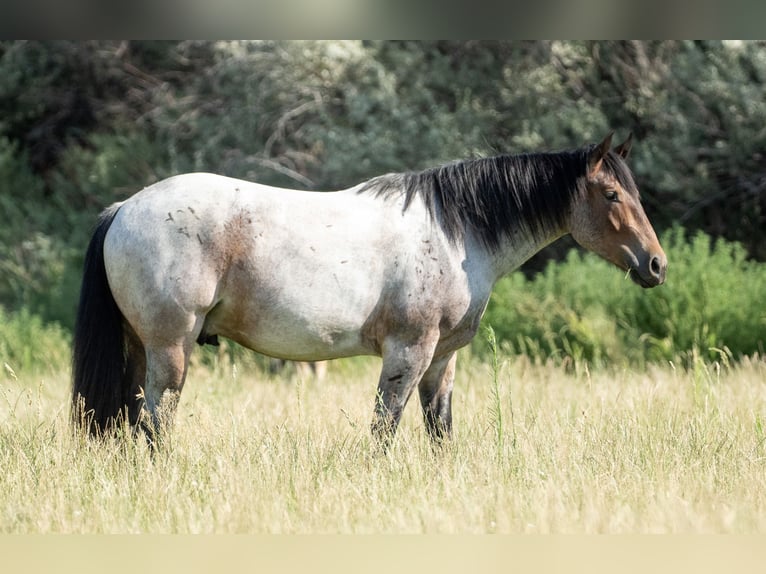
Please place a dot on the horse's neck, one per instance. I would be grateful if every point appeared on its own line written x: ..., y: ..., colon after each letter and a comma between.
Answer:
x: 518, y: 247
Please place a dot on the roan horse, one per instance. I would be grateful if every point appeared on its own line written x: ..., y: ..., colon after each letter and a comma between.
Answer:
x: 400, y: 266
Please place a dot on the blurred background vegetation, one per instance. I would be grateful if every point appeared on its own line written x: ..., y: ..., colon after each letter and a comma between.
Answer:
x: 84, y: 124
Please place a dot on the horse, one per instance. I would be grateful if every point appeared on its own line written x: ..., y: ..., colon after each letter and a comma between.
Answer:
x: 400, y: 266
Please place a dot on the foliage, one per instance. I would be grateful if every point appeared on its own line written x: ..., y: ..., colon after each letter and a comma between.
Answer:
x: 29, y: 345
x: 698, y: 110
x: 32, y: 261
x: 83, y: 124
x: 582, y: 310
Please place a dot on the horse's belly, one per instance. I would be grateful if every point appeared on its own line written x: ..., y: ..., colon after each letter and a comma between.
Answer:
x: 294, y: 337
x: 291, y: 321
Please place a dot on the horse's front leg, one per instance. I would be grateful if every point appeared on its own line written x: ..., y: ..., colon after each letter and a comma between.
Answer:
x: 436, y: 396
x: 404, y: 364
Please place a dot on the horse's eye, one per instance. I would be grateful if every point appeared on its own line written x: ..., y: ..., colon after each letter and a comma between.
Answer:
x: 611, y: 195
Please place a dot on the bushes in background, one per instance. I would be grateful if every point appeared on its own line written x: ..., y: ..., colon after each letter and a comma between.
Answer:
x: 83, y: 124
x: 27, y: 343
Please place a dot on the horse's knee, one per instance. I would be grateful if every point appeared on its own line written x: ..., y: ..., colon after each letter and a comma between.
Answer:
x: 389, y: 406
x: 393, y: 394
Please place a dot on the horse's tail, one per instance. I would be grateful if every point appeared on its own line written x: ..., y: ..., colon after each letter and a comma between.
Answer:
x: 100, y: 389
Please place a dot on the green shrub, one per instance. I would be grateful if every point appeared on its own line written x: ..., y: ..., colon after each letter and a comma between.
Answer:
x: 582, y: 309
x: 27, y: 343
x: 46, y: 228
x: 32, y: 259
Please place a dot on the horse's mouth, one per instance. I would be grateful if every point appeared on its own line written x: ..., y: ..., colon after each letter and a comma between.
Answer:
x: 638, y: 280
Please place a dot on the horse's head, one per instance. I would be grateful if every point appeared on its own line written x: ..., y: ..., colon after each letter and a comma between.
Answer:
x: 609, y: 220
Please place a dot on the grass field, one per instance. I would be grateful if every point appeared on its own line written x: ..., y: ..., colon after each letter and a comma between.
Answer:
x: 537, y: 449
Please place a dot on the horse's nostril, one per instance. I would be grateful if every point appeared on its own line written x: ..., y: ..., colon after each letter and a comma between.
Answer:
x: 655, y: 266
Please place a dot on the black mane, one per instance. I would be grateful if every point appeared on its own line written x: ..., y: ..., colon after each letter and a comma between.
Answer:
x: 493, y: 196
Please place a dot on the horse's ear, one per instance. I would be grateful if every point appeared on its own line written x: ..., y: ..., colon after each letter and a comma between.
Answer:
x: 623, y: 149
x: 596, y: 155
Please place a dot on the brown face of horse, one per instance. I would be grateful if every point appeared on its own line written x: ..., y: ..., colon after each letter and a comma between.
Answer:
x: 610, y: 221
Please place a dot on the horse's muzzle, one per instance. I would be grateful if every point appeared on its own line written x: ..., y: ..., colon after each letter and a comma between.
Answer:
x: 652, y: 273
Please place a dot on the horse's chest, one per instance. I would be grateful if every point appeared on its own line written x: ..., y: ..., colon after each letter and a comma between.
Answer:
x: 453, y: 304
x: 460, y: 322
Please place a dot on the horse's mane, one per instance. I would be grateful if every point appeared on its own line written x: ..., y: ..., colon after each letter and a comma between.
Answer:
x: 495, y: 195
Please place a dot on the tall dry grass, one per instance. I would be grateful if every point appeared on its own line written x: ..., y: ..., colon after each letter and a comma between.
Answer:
x: 537, y: 449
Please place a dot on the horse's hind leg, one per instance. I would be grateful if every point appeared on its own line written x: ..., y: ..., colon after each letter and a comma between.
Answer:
x: 135, y: 375
x: 436, y: 396
x: 166, y: 368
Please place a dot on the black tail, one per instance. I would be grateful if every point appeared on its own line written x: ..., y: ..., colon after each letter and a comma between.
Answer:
x: 100, y: 389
